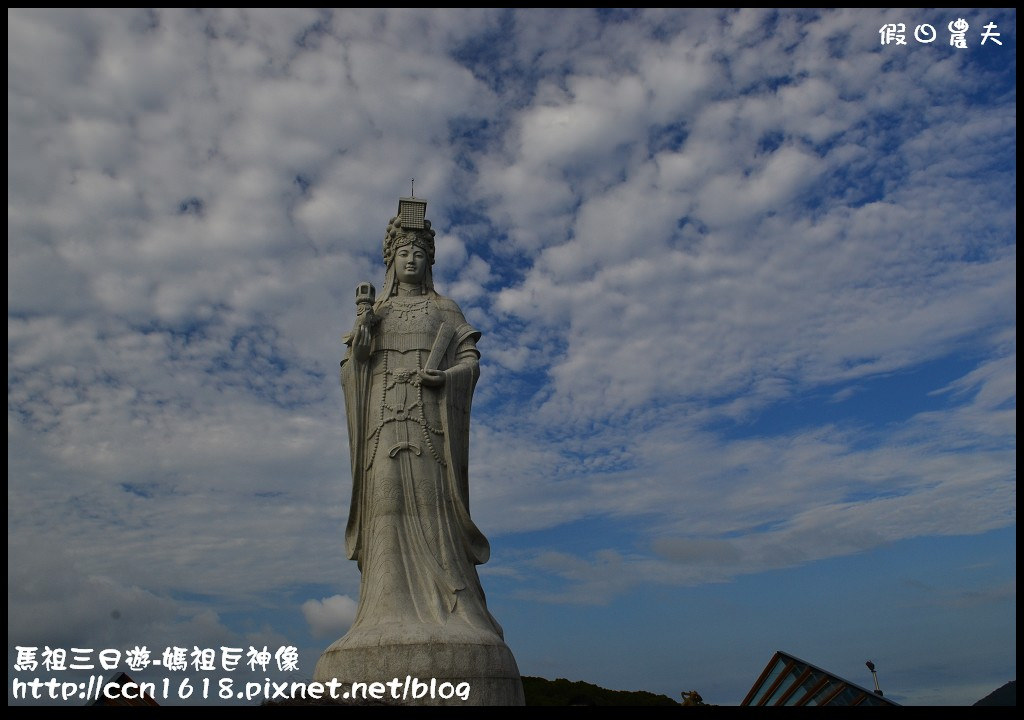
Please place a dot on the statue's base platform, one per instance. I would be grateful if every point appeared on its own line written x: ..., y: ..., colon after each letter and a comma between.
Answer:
x: 423, y: 668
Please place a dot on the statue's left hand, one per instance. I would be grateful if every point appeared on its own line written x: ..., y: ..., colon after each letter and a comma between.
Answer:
x: 432, y: 378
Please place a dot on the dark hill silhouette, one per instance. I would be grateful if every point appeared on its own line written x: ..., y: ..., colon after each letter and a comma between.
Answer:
x: 1006, y: 696
x: 562, y: 692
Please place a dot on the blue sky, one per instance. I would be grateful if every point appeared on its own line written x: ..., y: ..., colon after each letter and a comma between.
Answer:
x: 746, y: 282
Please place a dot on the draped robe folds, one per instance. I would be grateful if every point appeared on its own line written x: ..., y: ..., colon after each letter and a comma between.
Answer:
x: 409, y: 525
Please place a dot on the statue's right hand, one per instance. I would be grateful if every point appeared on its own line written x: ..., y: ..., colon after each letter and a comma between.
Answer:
x: 361, y: 342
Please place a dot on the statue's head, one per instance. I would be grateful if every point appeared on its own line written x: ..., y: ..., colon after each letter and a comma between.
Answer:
x: 397, y: 241
x: 409, y: 234
x: 397, y: 236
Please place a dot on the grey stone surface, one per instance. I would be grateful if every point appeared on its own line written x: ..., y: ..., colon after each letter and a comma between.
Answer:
x: 409, y: 373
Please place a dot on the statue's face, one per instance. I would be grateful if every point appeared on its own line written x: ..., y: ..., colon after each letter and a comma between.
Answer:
x: 410, y: 264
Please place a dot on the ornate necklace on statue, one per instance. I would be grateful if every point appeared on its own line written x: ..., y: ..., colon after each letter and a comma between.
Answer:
x: 408, y: 308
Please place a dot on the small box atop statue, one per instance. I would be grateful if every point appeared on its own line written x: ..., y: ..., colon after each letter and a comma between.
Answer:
x: 412, y: 211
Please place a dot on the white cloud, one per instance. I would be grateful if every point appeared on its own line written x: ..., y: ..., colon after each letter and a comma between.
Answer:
x: 106, y: 612
x: 330, y: 617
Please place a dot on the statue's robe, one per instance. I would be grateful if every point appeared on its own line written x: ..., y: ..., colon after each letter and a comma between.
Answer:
x: 409, y: 525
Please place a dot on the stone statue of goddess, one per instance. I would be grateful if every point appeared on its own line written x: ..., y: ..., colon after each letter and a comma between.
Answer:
x: 408, y: 375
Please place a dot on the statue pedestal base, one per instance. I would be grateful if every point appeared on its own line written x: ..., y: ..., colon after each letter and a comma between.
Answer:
x: 441, y: 670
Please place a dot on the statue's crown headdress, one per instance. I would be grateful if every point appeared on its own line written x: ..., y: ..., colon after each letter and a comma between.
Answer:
x: 409, y: 226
